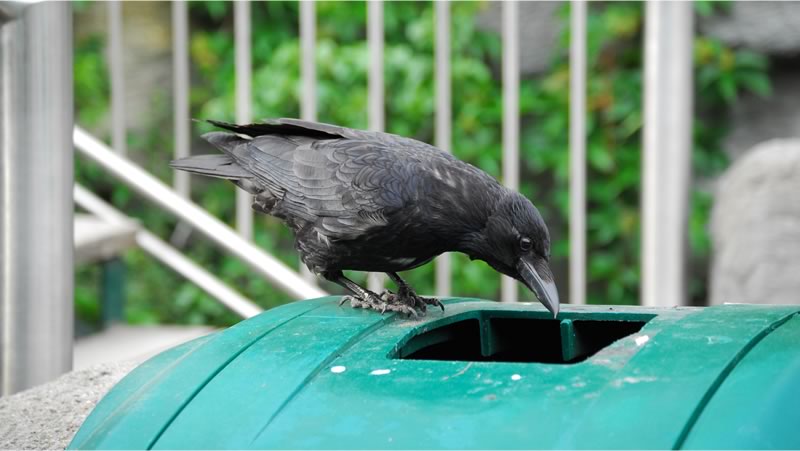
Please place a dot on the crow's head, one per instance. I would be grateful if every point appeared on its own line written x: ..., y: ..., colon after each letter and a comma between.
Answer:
x: 519, y: 247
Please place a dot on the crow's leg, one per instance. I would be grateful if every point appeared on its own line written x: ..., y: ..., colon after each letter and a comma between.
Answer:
x: 362, y: 298
x: 406, y: 294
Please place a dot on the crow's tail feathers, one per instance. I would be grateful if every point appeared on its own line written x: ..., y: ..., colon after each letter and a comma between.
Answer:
x: 221, y: 166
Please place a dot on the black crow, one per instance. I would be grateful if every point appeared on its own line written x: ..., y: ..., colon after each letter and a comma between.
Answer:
x: 369, y: 201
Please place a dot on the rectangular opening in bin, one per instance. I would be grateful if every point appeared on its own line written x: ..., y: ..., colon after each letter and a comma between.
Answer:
x: 521, y: 339
x: 456, y: 341
x: 524, y: 340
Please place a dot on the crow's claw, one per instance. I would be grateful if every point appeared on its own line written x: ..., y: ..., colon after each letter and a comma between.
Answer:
x: 408, y: 297
x: 380, y: 304
x: 433, y: 301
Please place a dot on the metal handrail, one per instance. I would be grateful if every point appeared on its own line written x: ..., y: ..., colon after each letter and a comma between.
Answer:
x: 137, y: 178
x: 170, y: 256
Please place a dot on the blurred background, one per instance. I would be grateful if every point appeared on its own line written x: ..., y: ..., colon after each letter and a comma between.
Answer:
x: 738, y: 65
x: 743, y: 209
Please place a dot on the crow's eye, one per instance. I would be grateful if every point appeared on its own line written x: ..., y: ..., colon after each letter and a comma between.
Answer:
x: 525, y: 244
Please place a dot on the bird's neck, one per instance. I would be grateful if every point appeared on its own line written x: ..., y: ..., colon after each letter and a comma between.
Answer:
x: 473, y: 236
x: 460, y: 215
x: 474, y: 245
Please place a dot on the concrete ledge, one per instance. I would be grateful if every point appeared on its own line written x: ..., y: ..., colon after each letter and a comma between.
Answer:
x: 48, y: 416
x: 97, y: 240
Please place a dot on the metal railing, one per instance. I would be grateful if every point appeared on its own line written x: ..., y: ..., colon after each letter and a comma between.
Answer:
x: 167, y: 199
x: 666, y: 146
x: 444, y: 120
x: 509, y: 292
x: 577, y: 153
x: 170, y: 256
x: 375, y: 94
x: 36, y: 287
x: 511, y: 124
x: 244, y: 115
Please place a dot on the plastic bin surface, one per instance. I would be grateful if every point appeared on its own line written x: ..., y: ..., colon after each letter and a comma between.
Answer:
x: 312, y: 374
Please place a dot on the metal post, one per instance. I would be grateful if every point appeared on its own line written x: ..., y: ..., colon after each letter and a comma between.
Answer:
x: 308, y: 37
x: 375, y: 281
x: 244, y: 70
x: 444, y: 120
x: 508, y: 286
x: 667, y: 143
x: 308, y: 69
x: 180, y: 91
x: 117, y: 63
x: 577, y: 159
x: 36, y: 276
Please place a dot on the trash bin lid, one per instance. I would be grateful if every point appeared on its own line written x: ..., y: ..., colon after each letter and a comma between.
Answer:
x: 312, y: 374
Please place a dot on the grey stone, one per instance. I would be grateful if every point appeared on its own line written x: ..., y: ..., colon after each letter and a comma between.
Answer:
x: 755, y: 119
x: 772, y: 27
x: 48, y: 416
x: 538, y: 29
x: 756, y: 227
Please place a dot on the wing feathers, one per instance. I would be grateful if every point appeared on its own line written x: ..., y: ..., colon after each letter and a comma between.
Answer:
x: 342, y: 180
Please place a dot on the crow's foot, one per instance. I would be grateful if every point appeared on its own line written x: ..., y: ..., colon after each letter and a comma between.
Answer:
x: 407, y: 296
x: 379, y: 304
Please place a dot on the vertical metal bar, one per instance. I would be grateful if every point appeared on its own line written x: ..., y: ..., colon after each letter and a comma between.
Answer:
x: 508, y: 286
x: 667, y: 143
x: 375, y: 281
x: 180, y: 91
x: 244, y: 69
x: 308, y: 37
x: 443, y: 120
x: 375, y: 42
x: 36, y: 266
x: 308, y: 69
x: 577, y: 159
x: 117, y: 63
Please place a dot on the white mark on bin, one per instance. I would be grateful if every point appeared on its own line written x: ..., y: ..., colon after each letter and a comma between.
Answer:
x: 515, y: 377
x: 380, y: 372
x: 642, y: 340
x: 338, y: 369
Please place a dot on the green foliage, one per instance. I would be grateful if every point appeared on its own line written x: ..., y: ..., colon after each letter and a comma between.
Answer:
x: 614, y: 134
x: 614, y: 137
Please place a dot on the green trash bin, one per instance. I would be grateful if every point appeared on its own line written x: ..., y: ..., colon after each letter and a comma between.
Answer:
x: 312, y: 374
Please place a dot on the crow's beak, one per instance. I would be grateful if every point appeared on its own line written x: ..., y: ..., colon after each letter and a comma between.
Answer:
x: 540, y: 282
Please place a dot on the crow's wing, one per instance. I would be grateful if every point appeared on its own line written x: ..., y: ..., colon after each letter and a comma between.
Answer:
x: 344, y: 181
x: 322, y: 131
x: 345, y: 187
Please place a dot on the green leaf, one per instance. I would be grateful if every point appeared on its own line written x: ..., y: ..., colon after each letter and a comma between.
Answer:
x: 703, y: 7
x: 727, y: 88
x: 750, y: 60
x: 600, y: 158
x: 757, y: 82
